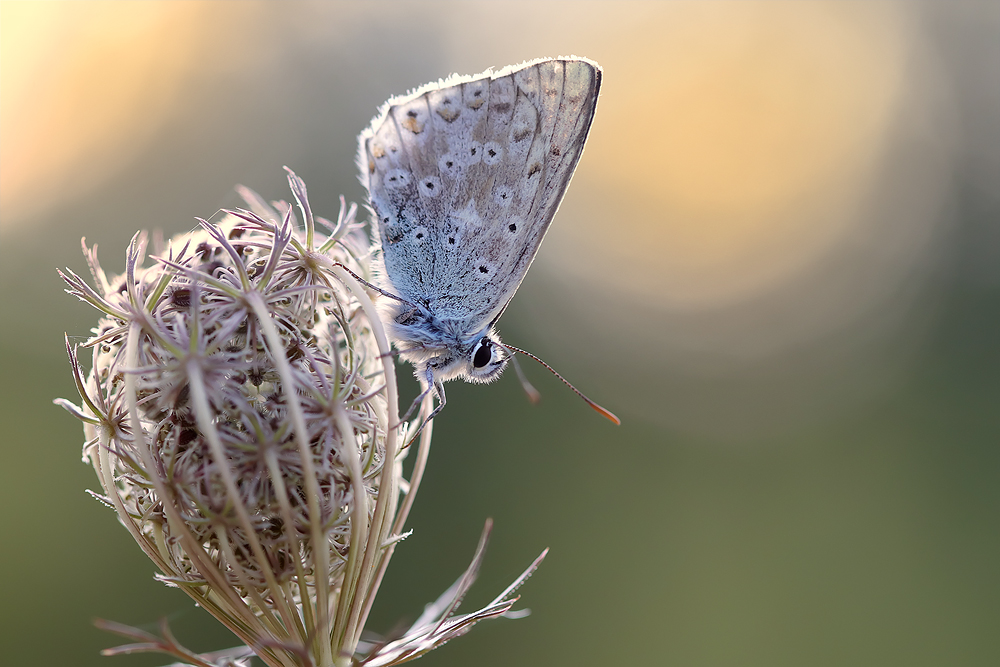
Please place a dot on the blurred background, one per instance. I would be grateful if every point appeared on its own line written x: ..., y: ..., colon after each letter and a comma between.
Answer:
x: 779, y: 263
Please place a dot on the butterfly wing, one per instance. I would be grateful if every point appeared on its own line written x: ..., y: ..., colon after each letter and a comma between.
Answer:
x: 465, y: 177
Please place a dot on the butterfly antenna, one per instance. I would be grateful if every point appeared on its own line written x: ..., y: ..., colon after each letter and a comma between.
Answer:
x: 600, y: 410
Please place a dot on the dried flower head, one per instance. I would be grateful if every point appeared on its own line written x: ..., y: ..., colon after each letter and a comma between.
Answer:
x: 241, y: 413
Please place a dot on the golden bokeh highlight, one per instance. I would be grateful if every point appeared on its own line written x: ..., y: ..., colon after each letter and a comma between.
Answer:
x: 737, y: 144
x: 85, y: 87
x: 747, y: 110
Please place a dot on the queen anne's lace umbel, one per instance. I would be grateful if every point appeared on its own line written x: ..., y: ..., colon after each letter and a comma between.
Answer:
x: 241, y: 414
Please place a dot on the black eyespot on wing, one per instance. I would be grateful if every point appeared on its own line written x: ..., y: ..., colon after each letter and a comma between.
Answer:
x: 483, y: 269
x: 512, y: 227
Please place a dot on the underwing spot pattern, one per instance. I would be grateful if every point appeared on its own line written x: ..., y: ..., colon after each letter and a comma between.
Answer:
x: 448, y: 111
x: 451, y: 239
x: 430, y: 186
x: 397, y: 179
x: 413, y: 121
x: 473, y: 154
x: 449, y: 165
x: 466, y: 175
x: 474, y: 94
x: 492, y: 153
x: 503, y: 196
x: 484, y: 269
x: 519, y: 134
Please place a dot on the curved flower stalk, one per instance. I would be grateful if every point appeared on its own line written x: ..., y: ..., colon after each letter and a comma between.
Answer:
x: 241, y: 414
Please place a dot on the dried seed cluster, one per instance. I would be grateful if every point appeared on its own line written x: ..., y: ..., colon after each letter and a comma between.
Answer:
x: 241, y: 414
x: 212, y: 391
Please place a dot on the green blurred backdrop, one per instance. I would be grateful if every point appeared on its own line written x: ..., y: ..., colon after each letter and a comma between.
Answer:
x: 779, y: 263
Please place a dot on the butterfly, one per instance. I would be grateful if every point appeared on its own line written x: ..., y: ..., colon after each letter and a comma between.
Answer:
x: 464, y: 177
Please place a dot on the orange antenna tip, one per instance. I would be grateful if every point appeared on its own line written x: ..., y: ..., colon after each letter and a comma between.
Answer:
x: 532, y: 392
x: 605, y: 413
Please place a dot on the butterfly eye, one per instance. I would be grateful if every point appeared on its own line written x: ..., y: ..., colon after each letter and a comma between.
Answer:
x: 483, y: 354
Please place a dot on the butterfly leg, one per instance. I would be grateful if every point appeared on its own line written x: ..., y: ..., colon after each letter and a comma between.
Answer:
x: 413, y: 406
x: 438, y: 389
